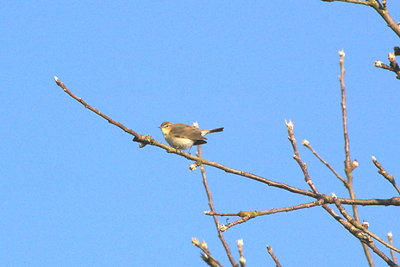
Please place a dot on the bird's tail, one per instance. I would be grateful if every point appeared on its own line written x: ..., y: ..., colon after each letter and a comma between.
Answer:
x: 216, y: 130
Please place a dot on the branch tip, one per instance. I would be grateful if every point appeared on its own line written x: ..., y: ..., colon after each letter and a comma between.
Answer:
x: 192, y: 166
x: 355, y: 164
x: 240, y: 243
x: 378, y: 63
x: 289, y: 124
x: 390, y: 235
x: 391, y: 57
x: 195, y: 241
x: 223, y: 228
x: 305, y: 143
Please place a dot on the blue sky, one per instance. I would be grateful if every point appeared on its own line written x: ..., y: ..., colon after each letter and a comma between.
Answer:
x: 76, y: 191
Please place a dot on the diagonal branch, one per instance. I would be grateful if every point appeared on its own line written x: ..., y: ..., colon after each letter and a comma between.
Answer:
x: 308, y: 145
x: 271, y: 253
x: 390, y: 238
x: 384, y: 173
x: 379, y: 8
x: 147, y: 140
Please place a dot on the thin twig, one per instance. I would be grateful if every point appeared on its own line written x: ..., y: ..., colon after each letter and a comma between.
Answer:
x: 381, y: 65
x: 211, y: 205
x: 308, y: 145
x: 303, y: 166
x: 347, y: 163
x: 394, y: 66
x: 390, y: 238
x: 348, y: 166
x: 247, y: 215
x: 277, y: 264
x: 384, y: 173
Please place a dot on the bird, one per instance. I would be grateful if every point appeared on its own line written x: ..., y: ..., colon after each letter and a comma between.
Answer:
x: 183, y: 136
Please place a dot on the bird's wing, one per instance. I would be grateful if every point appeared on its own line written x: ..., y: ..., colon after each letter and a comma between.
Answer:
x: 191, y: 132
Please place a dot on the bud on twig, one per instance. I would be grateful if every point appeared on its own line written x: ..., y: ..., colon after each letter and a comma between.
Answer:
x: 365, y: 225
x: 391, y: 57
x: 240, y: 244
x: 378, y: 63
x: 192, y: 166
x: 305, y: 143
x: 223, y: 228
x: 355, y: 164
x: 289, y: 124
x: 195, y: 241
x: 390, y: 235
x: 204, y: 245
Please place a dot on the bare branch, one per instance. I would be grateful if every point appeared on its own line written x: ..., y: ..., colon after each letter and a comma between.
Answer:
x: 247, y: 215
x: 308, y: 145
x: 269, y: 248
x: 348, y: 167
x: 380, y: 64
x: 147, y: 140
x: 394, y: 201
x: 384, y: 173
x: 390, y: 238
x: 347, y: 163
x: 379, y: 8
x: 303, y: 166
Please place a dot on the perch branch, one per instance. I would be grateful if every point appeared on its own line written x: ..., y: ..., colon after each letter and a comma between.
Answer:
x: 146, y: 139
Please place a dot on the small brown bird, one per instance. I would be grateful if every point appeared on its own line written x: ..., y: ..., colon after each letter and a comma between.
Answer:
x: 182, y: 136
